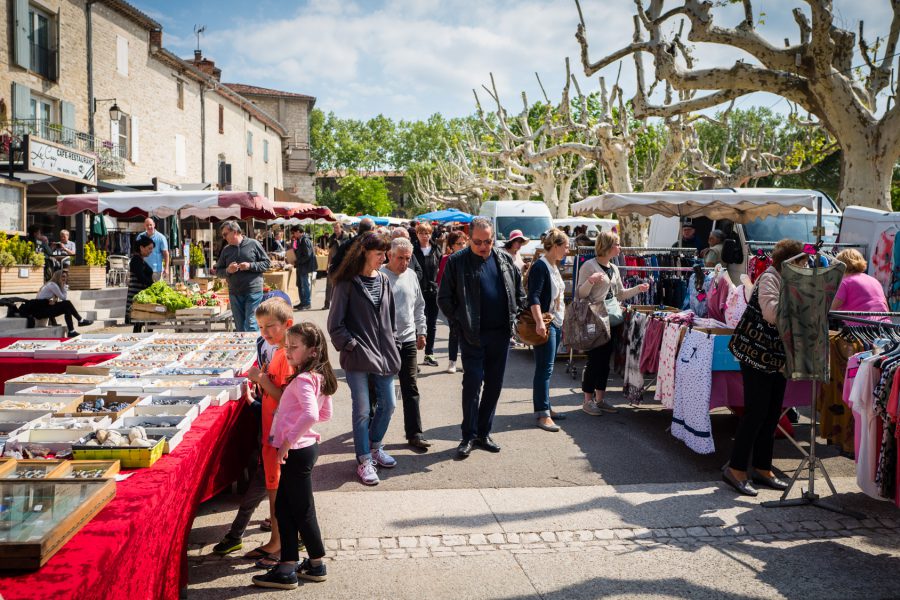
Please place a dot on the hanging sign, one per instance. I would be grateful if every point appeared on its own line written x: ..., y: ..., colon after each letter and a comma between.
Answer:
x: 60, y: 161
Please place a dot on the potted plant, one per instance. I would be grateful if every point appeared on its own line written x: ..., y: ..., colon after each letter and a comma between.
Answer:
x: 197, y: 261
x: 21, y: 268
x: 92, y: 274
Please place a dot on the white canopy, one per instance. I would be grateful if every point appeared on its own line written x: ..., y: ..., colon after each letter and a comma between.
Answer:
x: 740, y: 205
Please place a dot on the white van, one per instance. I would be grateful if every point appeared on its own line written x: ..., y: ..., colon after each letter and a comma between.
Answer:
x: 532, y: 217
x: 864, y: 226
x: 594, y: 226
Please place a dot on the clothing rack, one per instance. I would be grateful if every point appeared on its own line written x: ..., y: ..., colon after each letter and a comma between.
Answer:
x: 685, y: 269
x: 850, y: 313
x: 761, y: 244
x: 657, y: 250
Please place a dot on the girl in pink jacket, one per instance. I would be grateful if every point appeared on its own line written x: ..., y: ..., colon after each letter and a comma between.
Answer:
x: 305, y: 401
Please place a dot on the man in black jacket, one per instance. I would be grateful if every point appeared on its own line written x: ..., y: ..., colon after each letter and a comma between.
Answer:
x: 334, y: 242
x: 306, y: 264
x: 428, y: 255
x: 365, y: 225
x: 481, y: 293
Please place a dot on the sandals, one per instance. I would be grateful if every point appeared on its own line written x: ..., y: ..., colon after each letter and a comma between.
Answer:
x: 265, y: 525
x: 268, y: 561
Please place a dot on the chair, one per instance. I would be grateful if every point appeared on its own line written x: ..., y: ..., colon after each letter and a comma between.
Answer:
x: 118, y: 270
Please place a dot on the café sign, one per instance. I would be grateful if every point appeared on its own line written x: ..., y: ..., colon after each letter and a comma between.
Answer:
x: 60, y: 161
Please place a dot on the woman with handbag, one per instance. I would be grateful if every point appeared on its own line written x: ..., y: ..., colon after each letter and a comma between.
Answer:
x: 760, y: 351
x: 546, y: 292
x: 600, y: 282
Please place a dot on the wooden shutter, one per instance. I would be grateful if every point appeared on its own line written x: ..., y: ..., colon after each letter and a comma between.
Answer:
x: 21, y: 108
x: 134, y: 139
x: 67, y: 117
x: 21, y: 28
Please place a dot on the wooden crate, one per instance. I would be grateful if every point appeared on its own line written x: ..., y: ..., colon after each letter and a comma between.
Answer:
x: 150, y: 312
x: 199, y: 311
x: 84, y: 277
x: 21, y: 279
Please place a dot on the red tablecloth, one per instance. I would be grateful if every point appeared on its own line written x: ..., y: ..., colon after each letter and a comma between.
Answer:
x: 10, y: 368
x: 136, y: 547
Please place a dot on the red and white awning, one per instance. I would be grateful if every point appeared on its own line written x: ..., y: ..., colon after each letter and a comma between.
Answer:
x: 204, y: 204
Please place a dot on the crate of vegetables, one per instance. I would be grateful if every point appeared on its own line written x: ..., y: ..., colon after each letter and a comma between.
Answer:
x: 159, y: 300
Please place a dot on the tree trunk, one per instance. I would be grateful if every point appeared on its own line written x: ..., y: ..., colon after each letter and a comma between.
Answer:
x: 565, y: 193
x: 865, y: 178
x: 634, y: 230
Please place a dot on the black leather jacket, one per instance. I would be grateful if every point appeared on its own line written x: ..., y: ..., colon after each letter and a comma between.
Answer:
x: 459, y: 297
x: 428, y: 268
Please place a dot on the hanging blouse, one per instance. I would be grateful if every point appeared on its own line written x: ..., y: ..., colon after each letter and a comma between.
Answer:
x: 735, y: 305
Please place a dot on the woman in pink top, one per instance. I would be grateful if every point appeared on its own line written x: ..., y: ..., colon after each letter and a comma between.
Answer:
x: 858, y: 291
x: 305, y: 401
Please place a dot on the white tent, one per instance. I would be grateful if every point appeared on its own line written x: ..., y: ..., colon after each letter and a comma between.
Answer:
x: 738, y: 205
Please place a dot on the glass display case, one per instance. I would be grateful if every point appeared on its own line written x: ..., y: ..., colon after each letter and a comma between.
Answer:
x: 38, y: 517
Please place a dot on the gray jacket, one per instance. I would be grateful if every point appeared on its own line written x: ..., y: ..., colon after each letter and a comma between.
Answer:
x: 409, y: 304
x: 243, y: 282
x: 365, y: 337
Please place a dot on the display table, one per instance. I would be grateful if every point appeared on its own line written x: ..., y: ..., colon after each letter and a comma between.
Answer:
x: 10, y: 368
x: 136, y: 547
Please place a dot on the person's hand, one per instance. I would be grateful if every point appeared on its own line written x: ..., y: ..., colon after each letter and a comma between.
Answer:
x: 244, y: 266
x: 254, y: 374
x: 53, y: 300
x: 597, y: 278
x: 644, y: 287
x: 420, y: 342
x: 232, y: 268
x: 282, y: 454
x: 540, y: 328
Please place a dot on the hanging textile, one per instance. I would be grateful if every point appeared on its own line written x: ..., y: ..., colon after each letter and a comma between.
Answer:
x: 633, y: 386
x: 735, y: 305
x: 883, y: 259
x: 835, y: 418
x: 894, y: 295
x: 665, y: 381
x: 717, y: 301
x: 757, y: 265
x: 861, y: 399
x: 693, y: 382
x: 98, y: 225
x: 651, y: 346
x: 698, y: 291
x: 802, y: 318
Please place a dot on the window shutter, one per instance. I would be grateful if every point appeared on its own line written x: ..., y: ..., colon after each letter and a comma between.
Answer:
x: 22, y: 44
x: 265, y: 150
x: 249, y: 143
x: 134, y: 139
x: 21, y: 108
x: 180, y: 155
x: 122, y: 55
x: 114, y: 132
x: 67, y: 117
x: 54, y: 53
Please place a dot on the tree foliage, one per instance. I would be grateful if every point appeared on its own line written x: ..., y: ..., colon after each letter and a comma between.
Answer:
x: 362, y: 195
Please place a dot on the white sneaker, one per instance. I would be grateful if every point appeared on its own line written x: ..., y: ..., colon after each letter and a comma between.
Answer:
x: 367, y: 472
x: 383, y: 459
x: 452, y: 367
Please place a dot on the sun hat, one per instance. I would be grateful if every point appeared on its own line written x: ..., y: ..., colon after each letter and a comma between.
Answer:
x: 516, y: 234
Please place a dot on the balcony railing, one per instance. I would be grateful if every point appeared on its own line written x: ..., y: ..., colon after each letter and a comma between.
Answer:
x: 110, y: 157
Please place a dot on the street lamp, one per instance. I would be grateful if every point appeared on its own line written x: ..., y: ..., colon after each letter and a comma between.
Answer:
x: 114, y: 110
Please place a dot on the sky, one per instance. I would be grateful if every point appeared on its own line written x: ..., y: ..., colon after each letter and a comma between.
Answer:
x: 408, y: 59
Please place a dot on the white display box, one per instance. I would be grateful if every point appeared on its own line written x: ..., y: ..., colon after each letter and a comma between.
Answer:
x: 177, y: 422
x: 187, y: 411
x: 72, y: 380
x: 57, y: 440
x: 14, y: 421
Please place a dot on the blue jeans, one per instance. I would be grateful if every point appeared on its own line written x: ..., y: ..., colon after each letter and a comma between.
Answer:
x: 484, y: 364
x: 544, y: 357
x: 368, y: 434
x: 305, y: 288
x: 243, y: 309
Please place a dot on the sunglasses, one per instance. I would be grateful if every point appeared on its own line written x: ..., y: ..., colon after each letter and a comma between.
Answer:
x: 486, y: 242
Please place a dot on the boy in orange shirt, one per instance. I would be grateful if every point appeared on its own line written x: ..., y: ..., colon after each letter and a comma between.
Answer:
x: 274, y: 317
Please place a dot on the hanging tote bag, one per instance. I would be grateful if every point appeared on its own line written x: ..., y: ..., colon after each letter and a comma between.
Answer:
x: 755, y: 341
x: 584, y: 326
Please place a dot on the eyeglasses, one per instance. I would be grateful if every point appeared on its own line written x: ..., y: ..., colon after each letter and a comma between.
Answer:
x: 486, y: 242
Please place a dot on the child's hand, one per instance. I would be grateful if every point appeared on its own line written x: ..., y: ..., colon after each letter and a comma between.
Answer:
x: 253, y: 374
x: 282, y: 454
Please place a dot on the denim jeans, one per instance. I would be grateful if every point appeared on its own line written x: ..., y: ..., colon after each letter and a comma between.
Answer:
x: 484, y: 364
x: 305, y: 287
x: 366, y: 434
x: 544, y: 357
x: 243, y: 309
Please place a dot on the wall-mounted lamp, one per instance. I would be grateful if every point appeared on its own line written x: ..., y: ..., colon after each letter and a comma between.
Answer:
x: 114, y: 111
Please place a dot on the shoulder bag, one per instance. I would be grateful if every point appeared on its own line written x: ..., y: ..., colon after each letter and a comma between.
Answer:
x: 755, y: 341
x: 526, y: 326
x: 585, y: 327
x: 611, y: 303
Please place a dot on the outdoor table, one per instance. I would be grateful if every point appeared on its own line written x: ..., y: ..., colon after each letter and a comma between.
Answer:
x: 189, y: 324
x: 136, y: 547
x: 12, y: 367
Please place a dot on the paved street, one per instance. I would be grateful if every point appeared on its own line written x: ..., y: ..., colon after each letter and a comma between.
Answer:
x: 608, y: 507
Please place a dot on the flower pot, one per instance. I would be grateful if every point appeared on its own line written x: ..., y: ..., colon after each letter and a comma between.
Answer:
x: 199, y: 272
x: 84, y: 277
x: 21, y: 279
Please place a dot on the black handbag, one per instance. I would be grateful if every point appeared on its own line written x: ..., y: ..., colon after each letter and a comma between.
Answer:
x: 755, y: 341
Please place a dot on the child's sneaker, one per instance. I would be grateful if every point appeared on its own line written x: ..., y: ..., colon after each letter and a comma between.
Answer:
x: 367, y: 472
x: 383, y: 459
x: 227, y: 546
x: 310, y: 573
x: 274, y: 579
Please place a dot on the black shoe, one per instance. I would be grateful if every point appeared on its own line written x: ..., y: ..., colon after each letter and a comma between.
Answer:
x: 227, y: 546
x: 465, y: 448
x: 487, y: 443
x: 298, y: 306
x: 310, y: 573
x: 417, y: 441
x: 72, y: 333
x: 429, y: 361
x: 306, y: 307
x: 272, y: 579
x: 793, y: 416
x: 326, y: 307
x: 773, y: 483
x: 743, y: 487
x: 85, y: 322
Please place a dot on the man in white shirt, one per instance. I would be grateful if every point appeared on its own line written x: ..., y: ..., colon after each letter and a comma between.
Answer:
x: 409, y: 313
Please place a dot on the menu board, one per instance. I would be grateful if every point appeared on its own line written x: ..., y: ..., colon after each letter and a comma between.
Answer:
x: 12, y: 207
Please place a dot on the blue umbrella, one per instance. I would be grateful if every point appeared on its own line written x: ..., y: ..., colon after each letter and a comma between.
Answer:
x: 445, y: 216
x: 377, y: 220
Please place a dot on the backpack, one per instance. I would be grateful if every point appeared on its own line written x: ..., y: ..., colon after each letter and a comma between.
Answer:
x: 732, y: 252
